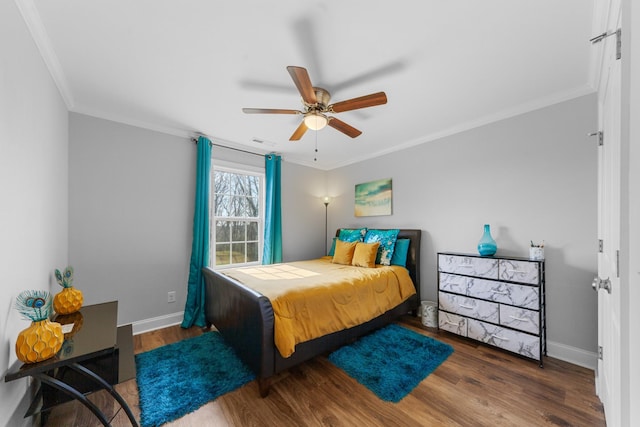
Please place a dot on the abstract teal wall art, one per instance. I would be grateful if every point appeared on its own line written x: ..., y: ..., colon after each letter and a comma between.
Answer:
x: 373, y: 198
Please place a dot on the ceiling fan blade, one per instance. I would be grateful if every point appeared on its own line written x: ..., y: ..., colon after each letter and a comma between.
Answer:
x: 360, y: 102
x: 299, y: 132
x: 269, y: 111
x: 343, y: 127
x: 303, y: 83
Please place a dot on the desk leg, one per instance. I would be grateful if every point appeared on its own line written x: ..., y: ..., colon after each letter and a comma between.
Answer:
x: 84, y: 371
x: 65, y: 388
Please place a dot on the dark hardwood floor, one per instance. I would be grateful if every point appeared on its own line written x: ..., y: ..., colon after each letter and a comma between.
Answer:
x: 476, y: 386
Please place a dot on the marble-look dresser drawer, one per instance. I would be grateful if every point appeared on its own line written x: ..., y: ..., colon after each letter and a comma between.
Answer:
x: 520, y: 318
x: 469, y: 266
x: 452, y: 323
x: 507, y: 293
x: 508, y: 339
x: 495, y: 300
x: 469, y: 307
x: 519, y: 271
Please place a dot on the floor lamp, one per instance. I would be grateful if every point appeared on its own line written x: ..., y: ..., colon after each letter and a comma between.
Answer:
x: 326, y: 205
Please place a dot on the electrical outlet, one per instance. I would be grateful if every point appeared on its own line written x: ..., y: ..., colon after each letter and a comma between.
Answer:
x: 171, y: 296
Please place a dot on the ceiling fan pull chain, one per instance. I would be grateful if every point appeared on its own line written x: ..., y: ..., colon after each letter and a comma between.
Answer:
x: 315, y: 158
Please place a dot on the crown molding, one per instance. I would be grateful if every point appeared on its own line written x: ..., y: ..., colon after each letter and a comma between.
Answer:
x: 536, y: 104
x: 125, y: 120
x: 33, y: 21
x: 167, y: 130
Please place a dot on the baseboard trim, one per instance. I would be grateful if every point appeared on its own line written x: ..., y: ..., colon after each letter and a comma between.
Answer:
x: 574, y: 355
x: 148, y: 325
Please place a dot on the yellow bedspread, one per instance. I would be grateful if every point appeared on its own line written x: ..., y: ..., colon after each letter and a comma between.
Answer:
x: 314, y: 298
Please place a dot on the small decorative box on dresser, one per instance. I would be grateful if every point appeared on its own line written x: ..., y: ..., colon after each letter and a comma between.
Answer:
x: 496, y: 300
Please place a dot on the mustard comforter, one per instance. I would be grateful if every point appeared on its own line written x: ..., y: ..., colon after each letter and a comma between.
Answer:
x: 315, y: 298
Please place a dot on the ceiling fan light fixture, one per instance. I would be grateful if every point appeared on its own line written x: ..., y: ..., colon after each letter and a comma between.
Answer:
x: 316, y: 105
x: 315, y: 121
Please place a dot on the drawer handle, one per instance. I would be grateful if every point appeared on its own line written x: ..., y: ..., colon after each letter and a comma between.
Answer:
x: 448, y: 322
x: 520, y: 319
x: 468, y: 307
x: 499, y: 337
x: 517, y: 271
x: 501, y: 292
x: 466, y: 265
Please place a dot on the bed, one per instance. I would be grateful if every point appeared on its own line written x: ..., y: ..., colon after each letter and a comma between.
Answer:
x: 245, y: 318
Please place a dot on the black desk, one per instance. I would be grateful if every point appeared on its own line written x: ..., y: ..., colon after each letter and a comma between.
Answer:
x: 95, y: 355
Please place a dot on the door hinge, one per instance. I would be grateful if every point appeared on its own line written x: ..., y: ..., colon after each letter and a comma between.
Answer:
x: 600, y: 353
x: 618, y: 43
x: 618, y: 263
x: 600, y: 246
x: 600, y: 136
x: 618, y: 34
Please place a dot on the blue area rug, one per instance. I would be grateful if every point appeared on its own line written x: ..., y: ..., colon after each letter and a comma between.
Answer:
x: 178, y: 378
x: 391, y: 361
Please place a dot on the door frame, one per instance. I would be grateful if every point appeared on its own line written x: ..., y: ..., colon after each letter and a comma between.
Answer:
x: 630, y: 215
x: 630, y: 203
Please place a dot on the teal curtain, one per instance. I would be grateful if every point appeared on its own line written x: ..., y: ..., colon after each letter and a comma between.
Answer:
x: 194, y: 307
x: 272, y: 219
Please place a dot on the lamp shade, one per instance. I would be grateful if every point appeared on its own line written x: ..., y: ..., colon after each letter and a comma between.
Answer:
x: 315, y: 121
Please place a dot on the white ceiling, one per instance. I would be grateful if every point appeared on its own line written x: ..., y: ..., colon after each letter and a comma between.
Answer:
x: 188, y: 67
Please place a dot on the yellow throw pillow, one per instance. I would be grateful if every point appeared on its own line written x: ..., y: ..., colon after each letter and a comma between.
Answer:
x: 344, y: 252
x: 365, y: 254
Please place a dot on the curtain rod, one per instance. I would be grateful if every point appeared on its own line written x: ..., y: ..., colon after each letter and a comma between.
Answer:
x: 194, y: 140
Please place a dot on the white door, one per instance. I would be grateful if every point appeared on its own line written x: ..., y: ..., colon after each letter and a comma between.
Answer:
x: 608, y: 380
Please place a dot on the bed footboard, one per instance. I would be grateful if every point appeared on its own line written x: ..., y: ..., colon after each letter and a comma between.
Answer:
x: 245, y: 319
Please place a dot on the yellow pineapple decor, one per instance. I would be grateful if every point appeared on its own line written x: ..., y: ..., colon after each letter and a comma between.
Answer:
x: 43, y: 339
x: 68, y: 300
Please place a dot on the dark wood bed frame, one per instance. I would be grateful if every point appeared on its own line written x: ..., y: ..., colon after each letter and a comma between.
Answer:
x: 244, y: 318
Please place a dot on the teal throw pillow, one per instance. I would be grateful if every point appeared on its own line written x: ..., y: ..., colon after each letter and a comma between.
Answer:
x: 387, y: 239
x: 352, y: 234
x: 333, y: 247
x: 400, y: 252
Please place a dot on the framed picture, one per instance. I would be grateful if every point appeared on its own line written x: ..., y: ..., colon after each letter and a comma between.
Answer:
x: 373, y: 198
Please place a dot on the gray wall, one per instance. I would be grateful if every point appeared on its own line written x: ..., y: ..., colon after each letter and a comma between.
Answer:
x: 303, y: 190
x: 33, y: 190
x: 531, y: 177
x: 131, y: 196
x: 131, y: 214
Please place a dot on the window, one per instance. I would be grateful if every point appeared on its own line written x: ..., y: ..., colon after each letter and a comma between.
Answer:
x: 237, y: 220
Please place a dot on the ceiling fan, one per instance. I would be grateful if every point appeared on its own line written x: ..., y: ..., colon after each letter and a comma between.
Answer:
x: 317, y: 107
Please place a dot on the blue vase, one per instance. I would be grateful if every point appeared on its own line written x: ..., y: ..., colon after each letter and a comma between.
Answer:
x: 487, y: 246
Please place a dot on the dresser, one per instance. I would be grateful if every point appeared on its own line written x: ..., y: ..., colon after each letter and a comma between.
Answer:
x: 499, y: 301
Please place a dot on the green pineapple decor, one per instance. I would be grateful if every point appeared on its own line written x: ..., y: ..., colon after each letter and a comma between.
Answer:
x: 68, y: 300
x: 43, y: 339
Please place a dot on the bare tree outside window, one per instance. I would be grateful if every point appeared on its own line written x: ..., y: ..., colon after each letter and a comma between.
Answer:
x: 237, y: 217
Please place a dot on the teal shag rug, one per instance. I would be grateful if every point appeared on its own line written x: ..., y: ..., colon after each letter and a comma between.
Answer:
x: 179, y: 378
x: 391, y: 361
